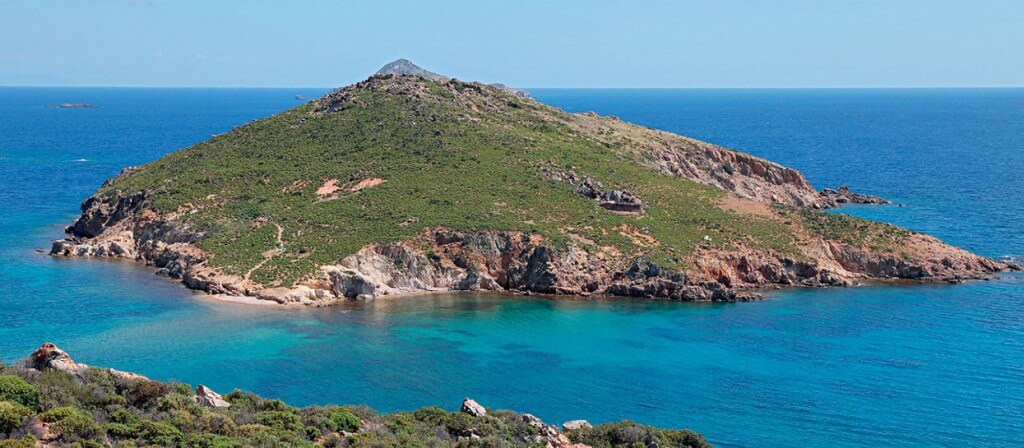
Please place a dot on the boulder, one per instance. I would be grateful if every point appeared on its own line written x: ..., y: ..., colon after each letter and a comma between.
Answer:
x: 49, y: 357
x: 573, y: 425
x: 207, y: 397
x: 473, y: 408
x: 533, y: 421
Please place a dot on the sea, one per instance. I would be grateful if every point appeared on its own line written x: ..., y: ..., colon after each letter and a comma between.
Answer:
x: 932, y: 365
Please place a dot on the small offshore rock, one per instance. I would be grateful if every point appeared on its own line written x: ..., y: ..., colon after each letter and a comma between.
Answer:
x: 573, y: 425
x: 473, y: 408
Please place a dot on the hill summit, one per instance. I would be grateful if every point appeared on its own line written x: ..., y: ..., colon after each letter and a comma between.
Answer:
x: 406, y: 67
x: 407, y: 183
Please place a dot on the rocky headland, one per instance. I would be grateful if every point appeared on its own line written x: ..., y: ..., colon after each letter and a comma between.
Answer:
x: 416, y: 182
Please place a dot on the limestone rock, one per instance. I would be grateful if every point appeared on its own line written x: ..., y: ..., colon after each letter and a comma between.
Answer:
x: 49, y: 357
x: 207, y: 397
x: 573, y: 425
x: 473, y: 408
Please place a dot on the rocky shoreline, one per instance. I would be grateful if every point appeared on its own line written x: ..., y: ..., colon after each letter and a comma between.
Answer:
x: 444, y: 259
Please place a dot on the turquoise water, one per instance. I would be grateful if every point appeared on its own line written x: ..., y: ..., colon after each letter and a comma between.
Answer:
x: 936, y: 365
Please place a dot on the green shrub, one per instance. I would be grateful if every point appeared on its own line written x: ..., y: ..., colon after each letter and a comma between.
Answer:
x: 627, y: 434
x: 217, y: 423
x: 342, y: 420
x: 181, y: 388
x: 178, y: 402
x: 120, y: 431
x: 458, y: 424
x: 58, y: 389
x: 27, y: 441
x: 200, y: 440
x: 123, y: 416
x: 17, y: 390
x: 432, y: 415
x: 280, y: 420
x: 242, y: 400
x: 160, y: 434
x: 57, y: 414
x: 11, y: 416
x: 272, y: 405
x: 145, y: 394
x: 78, y: 428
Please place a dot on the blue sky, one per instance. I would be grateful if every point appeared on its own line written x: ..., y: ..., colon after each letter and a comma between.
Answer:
x: 724, y: 43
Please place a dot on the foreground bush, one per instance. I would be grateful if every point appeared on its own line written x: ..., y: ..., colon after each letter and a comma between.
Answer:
x: 96, y: 408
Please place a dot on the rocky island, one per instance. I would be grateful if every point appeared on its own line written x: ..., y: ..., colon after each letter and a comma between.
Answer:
x: 49, y: 400
x: 413, y: 182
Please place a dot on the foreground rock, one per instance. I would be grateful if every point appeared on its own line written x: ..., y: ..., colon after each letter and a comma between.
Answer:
x: 574, y: 425
x: 207, y: 397
x: 49, y: 357
x: 473, y: 408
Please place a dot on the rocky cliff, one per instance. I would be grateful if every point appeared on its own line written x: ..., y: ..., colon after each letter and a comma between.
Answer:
x: 402, y: 184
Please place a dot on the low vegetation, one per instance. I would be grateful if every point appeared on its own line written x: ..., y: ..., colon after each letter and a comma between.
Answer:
x: 100, y: 409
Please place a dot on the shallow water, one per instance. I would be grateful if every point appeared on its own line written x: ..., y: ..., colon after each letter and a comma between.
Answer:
x: 935, y: 365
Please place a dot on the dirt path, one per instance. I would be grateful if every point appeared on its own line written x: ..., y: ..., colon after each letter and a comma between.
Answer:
x: 270, y: 253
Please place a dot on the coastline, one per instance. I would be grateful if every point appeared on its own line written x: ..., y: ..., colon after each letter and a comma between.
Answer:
x: 762, y: 293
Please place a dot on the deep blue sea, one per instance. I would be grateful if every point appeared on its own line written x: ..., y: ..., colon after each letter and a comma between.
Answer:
x: 908, y: 366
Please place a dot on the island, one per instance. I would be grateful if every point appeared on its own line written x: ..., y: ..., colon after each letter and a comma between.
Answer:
x: 48, y: 399
x: 74, y: 106
x: 412, y: 182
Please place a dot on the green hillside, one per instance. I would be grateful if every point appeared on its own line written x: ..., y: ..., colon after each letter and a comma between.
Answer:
x: 456, y: 155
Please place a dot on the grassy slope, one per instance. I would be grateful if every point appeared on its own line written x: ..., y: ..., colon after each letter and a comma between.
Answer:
x: 445, y: 165
x: 101, y: 408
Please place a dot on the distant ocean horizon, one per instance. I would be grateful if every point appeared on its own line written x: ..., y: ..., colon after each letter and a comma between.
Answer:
x: 901, y: 366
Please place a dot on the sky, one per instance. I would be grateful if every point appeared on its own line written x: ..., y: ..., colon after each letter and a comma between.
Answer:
x: 524, y: 43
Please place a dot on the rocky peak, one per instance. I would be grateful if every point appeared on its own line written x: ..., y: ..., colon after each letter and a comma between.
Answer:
x: 406, y: 67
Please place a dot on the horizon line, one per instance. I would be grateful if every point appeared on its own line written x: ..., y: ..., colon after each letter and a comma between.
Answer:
x: 951, y: 87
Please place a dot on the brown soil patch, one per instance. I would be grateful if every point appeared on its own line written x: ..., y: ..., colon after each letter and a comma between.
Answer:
x: 639, y: 238
x: 366, y: 183
x: 328, y: 188
x: 745, y: 206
